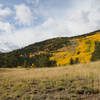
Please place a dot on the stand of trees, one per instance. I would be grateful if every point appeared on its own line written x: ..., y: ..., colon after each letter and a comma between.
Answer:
x: 14, y: 60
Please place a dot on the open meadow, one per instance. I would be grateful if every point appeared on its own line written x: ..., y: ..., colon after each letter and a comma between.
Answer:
x: 77, y: 82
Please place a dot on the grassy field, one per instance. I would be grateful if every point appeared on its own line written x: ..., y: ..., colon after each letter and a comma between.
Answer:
x: 77, y: 82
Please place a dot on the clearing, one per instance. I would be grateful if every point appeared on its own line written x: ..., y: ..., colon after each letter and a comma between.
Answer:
x: 77, y: 82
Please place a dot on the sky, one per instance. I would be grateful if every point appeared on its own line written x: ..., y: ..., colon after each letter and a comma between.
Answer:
x: 24, y: 22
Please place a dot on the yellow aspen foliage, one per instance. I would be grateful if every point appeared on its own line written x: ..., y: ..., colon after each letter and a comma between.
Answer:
x: 31, y: 55
x: 83, y: 52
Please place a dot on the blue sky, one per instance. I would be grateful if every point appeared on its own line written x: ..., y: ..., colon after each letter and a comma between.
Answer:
x: 23, y: 22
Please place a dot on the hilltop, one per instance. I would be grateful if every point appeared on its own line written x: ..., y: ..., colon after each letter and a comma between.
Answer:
x: 61, y: 51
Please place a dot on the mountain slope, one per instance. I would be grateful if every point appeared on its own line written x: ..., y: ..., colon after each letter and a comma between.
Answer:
x: 55, y: 52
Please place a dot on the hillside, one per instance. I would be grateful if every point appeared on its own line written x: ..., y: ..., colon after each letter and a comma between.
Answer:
x: 60, y: 51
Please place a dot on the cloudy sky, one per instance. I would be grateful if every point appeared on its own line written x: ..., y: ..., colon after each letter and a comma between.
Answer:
x: 23, y: 22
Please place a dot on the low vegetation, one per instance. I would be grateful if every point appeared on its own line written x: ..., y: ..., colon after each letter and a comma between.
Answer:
x: 77, y: 82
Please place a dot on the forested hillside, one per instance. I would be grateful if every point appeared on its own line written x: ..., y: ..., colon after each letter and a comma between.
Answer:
x: 61, y: 51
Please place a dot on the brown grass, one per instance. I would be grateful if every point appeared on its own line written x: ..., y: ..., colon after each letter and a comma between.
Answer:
x: 80, y: 70
x: 59, y: 82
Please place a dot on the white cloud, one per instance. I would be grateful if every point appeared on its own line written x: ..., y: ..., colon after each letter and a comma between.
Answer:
x: 4, y: 12
x: 95, y: 15
x: 49, y: 29
x: 26, y: 36
x: 5, y: 27
x: 83, y: 21
x: 55, y: 27
x: 23, y: 15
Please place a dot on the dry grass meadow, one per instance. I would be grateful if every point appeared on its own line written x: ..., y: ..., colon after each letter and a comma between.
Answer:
x: 77, y: 82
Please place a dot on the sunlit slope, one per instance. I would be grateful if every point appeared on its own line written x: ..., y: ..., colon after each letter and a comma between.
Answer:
x: 81, y: 51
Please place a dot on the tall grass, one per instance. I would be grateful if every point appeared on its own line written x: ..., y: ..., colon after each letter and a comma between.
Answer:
x: 69, y: 83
